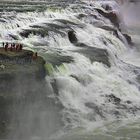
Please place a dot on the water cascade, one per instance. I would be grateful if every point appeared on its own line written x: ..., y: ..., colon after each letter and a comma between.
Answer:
x: 90, y: 91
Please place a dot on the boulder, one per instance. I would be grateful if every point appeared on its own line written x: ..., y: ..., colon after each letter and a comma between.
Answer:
x: 72, y: 37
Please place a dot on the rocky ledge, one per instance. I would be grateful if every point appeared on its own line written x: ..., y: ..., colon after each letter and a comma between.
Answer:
x: 17, y: 63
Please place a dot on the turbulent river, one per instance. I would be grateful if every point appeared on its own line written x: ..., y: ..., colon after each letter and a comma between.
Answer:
x: 93, y: 77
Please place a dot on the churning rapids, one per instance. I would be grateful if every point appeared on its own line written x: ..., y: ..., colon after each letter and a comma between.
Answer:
x: 93, y: 74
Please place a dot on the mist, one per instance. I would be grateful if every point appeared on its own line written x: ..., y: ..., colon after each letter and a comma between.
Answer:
x: 130, y: 12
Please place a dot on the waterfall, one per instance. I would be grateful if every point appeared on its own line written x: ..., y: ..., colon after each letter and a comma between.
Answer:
x: 89, y: 82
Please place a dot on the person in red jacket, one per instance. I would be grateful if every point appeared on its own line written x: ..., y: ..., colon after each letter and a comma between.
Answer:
x: 35, y: 55
x: 6, y: 47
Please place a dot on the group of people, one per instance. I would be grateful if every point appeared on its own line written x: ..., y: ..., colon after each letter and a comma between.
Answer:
x: 12, y: 46
x: 16, y: 47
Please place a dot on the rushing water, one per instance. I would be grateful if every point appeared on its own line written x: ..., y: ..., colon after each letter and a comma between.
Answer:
x: 85, y: 100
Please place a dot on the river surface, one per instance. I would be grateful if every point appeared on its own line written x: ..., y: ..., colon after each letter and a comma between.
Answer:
x: 85, y: 99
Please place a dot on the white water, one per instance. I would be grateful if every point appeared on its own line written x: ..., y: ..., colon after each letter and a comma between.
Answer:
x: 87, y: 109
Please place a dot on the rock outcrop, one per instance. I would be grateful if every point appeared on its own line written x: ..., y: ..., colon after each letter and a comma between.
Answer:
x: 72, y: 37
x: 21, y: 79
x: 110, y: 15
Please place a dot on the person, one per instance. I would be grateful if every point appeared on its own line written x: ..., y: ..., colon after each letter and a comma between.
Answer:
x: 17, y: 47
x: 35, y: 55
x: 3, y: 44
x: 6, y: 47
x: 20, y: 47
x: 13, y: 46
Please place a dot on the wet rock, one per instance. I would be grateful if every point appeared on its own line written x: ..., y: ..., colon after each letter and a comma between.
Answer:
x: 84, y: 79
x: 75, y: 77
x: 54, y: 86
x: 80, y: 16
x: 110, y: 15
x: 138, y: 80
x: 119, y: 35
x: 69, y: 24
x: 25, y: 33
x: 3, y: 20
x: 94, y: 54
x: 56, y: 26
x: 114, y: 99
x: 90, y: 18
x: 128, y: 38
x: 72, y: 37
x: 57, y: 59
x: 49, y: 27
x: 66, y: 22
x: 106, y: 27
x: 17, y: 25
x: 13, y: 36
x: 107, y: 7
x: 96, y: 109
x: 116, y: 113
x: 43, y: 30
x: 128, y: 102
x: 16, y: 63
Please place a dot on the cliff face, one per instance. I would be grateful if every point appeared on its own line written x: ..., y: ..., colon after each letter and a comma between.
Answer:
x: 21, y: 78
x: 20, y: 63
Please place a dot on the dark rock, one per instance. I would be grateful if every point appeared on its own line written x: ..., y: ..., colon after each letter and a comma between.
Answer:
x: 26, y: 32
x: 17, y: 63
x: 56, y: 59
x: 138, y: 80
x: 44, y: 30
x: 96, y: 109
x: 110, y: 15
x: 87, y: 17
x: 66, y: 22
x: 107, y: 7
x: 18, y: 25
x: 75, y: 77
x: 3, y: 20
x: 116, y: 113
x: 114, y: 99
x: 107, y: 28
x: 128, y: 102
x: 13, y: 36
x: 94, y: 54
x: 54, y: 86
x: 128, y: 38
x: 121, y: 107
x: 56, y: 26
x: 72, y: 37
x: 49, y: 27
x: 80, y: 16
